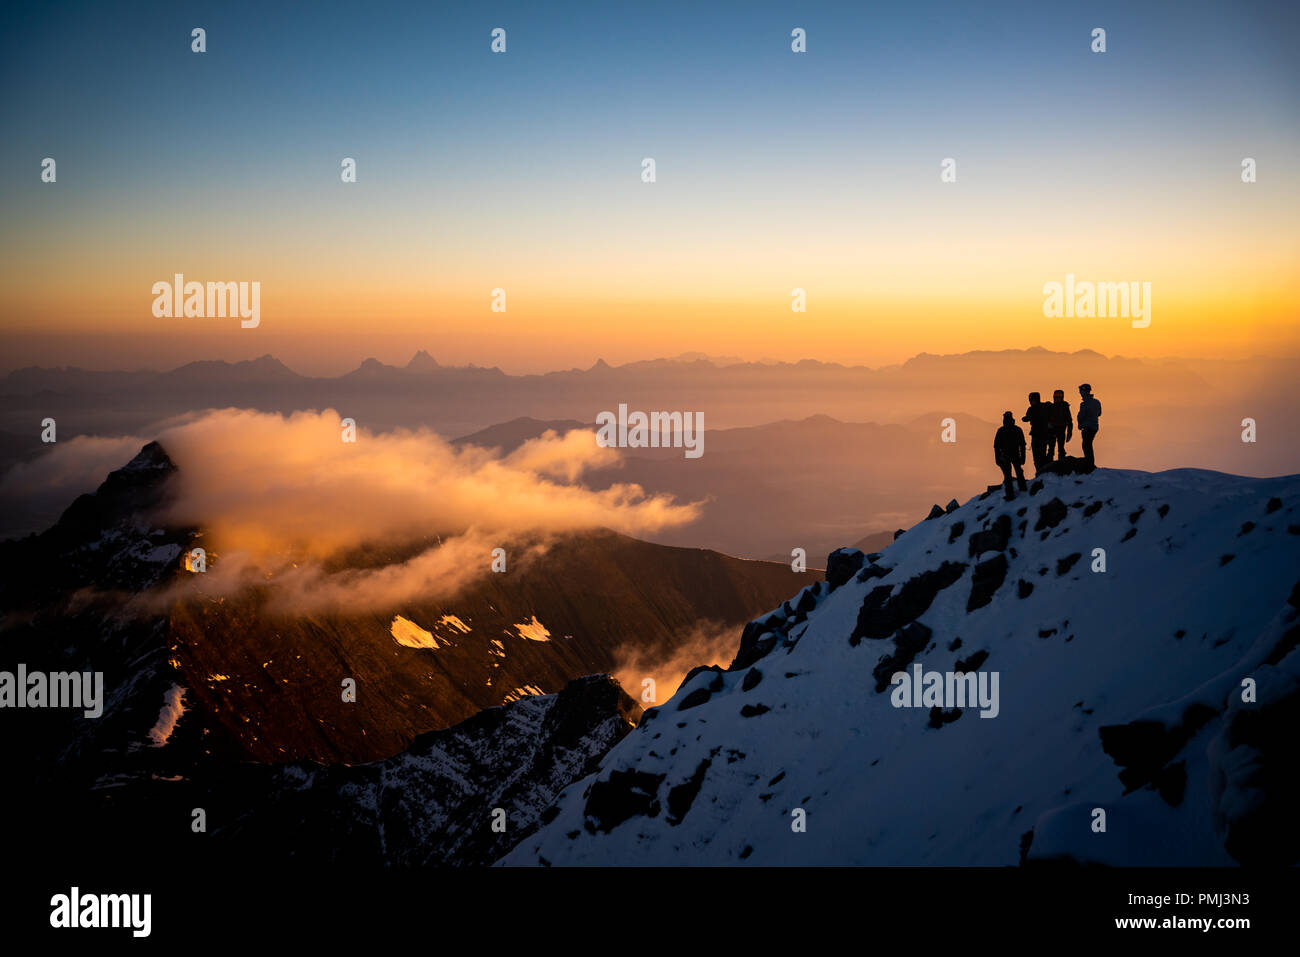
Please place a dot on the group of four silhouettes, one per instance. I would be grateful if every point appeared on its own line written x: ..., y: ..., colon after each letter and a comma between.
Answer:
x: 1050, y: 427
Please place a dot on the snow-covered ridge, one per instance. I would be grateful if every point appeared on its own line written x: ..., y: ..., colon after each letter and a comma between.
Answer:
x: 1121, y: 691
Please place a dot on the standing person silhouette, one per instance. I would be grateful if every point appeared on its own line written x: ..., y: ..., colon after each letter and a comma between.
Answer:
x: 1009, y: 453
x: 1039, y: 417
x: 1089, y: 413
x: 1062, y: 426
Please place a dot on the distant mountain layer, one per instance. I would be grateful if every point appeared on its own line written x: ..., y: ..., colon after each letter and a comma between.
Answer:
x: 508, y: 436
x: 795, y: 455
x: 1142, y: 629
x: 457, y: 400
x: 875, y: 542
x: 816, y: 484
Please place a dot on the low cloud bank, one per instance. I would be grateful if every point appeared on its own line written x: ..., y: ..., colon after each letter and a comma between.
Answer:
x: 285, y: 503
x: 282, y: 498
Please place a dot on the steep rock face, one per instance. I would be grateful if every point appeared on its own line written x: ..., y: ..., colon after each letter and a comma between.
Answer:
x: 1127, y: 618
x: 592, y: 601
x: 435, y: 802
x: 74, y: 599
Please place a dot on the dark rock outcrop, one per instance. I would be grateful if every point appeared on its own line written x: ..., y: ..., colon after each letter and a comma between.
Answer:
x: 909, y: 642
x: 1051, y: 514
x: 883, y: 613
x: 842, y: 564
x: 993, y: 539
x: 1141, y: 748
x: 622, y: 795
x: 986, y: 579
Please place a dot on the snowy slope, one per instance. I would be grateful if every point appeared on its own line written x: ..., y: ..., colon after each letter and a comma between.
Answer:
x: 1136, y: 670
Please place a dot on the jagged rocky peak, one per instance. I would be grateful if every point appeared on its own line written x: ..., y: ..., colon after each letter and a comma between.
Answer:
x: 108, y: 538
x: 975, y: 694
x: 127, y: 493
x: 151, y: 456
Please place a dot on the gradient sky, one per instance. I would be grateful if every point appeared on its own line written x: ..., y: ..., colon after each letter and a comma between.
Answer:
x: 522, y: 171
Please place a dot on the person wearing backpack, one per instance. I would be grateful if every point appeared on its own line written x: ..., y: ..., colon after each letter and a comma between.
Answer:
x: 1038, y: 415
x: 1089, y: 414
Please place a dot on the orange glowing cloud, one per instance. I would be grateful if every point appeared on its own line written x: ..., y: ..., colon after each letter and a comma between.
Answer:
x: 278, y: 498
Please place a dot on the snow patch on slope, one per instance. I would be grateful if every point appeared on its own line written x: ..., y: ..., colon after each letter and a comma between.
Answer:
x: 172, y: 709
x: 533, y: 630
x: 407, y: 633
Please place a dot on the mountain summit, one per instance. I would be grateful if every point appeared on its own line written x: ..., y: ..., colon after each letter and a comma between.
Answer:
x: 1130, y: 643
x: 422, y: 362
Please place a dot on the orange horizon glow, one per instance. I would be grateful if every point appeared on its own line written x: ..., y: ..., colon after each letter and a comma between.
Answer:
x: 866, y: 304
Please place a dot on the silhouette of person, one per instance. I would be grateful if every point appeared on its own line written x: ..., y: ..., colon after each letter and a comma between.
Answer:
x: 1062, y: 426
x: 1009, y: 453
x: 1089, y: 413
x: 1039, y: 417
